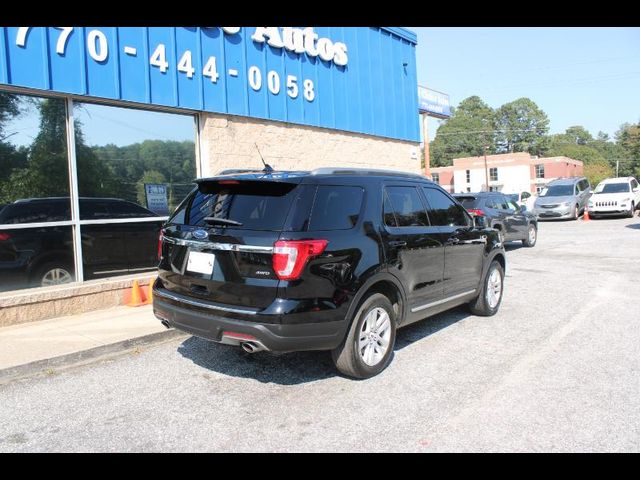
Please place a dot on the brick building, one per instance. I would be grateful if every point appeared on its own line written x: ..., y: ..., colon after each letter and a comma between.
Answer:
x: 508, y: 173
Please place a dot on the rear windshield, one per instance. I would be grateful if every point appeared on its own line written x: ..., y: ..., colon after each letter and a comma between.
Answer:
x: 612, y: 188
x: 256, y: 205
x: 557, y: 191
x: 273, y: 206
x: 467, y: 202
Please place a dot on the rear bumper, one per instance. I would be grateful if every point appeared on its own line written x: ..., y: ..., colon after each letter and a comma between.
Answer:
x: 278, y: 337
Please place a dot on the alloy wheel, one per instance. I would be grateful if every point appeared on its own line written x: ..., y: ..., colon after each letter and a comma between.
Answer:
x: 375, y: 335
x: 494, y: 288
x: 56, y: 276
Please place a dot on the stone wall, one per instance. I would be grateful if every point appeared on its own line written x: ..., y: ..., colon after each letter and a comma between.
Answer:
x: 229, y: 142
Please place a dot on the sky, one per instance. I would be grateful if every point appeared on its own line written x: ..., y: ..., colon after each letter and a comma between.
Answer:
x: 576, y: 75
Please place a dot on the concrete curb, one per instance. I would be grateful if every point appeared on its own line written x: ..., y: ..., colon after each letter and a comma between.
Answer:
x: 82, y: 357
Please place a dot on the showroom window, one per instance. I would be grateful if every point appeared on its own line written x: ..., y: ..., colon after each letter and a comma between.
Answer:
x: 133, y: 167
x: 36, y: 237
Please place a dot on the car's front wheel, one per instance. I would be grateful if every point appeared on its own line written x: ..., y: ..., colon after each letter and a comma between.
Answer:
x: 631, y: 212
x: 368, y: 348
x: 488, y: 300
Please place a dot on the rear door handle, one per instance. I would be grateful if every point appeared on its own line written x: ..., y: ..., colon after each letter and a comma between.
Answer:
x: 397, y: 243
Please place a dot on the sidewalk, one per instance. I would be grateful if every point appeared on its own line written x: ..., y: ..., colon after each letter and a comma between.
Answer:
x: 35, y: 347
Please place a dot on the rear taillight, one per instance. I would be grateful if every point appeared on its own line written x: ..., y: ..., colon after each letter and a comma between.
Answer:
x: 476, y: 211
x: 4, y: 236
x: 160, y: 237
x: 290, y: 256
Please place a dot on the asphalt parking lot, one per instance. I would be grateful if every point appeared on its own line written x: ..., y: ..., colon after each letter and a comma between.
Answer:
x: 557, y: 369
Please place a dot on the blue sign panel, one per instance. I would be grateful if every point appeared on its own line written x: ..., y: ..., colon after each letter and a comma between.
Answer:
x: 360, y: 79
x: 434, y: 103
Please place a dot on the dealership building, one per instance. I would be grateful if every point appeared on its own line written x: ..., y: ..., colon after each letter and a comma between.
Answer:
x: 102, y: 131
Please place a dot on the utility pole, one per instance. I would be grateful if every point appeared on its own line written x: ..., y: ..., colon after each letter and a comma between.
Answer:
x: 617, y: 165
x: 486, y: 170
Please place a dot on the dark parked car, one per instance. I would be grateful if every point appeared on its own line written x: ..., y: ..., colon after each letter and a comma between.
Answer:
x: 43, y: 255
x: 326, y: 260
x: 502, y: 213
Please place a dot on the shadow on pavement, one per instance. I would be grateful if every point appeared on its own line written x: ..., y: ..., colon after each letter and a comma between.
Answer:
x: 512, y: 245
x: 422, y: 329
x: 635, y: 226
x: 296, y: 367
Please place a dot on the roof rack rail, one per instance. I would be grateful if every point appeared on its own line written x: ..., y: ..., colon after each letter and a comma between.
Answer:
x: 364, y: 171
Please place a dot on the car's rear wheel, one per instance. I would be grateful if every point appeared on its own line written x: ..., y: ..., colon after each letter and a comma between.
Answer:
x: 488, y: 300
x: 368, y: 347
x: 53, y: 273
x: 532, y: 236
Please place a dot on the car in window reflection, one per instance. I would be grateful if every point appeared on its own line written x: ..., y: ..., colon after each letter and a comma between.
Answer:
x: 43, y: 255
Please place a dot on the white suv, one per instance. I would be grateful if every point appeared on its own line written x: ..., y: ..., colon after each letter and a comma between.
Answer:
x: 615, y: 196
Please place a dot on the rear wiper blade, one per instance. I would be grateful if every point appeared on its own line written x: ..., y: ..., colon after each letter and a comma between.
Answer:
x: 223, y: 221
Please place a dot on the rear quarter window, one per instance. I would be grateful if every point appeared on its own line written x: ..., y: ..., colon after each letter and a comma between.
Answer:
x: 336, y: 207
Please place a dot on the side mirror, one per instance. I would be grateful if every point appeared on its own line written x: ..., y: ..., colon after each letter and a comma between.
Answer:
x: 480, y: 221
x: 634, y: 190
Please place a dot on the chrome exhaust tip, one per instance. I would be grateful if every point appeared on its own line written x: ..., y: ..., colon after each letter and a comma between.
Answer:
x: 165, y: 323
x: 251, y: 347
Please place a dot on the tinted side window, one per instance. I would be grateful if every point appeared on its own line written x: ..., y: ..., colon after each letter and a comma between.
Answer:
x: 93, y: 210
x: 504, y: 202
x: 336, y: 207
x: 39, y: 211
x: 443, y: 211
x: 387, y: 214
x: 634, y: 184
x: 407, y: 206
x: 129, y: 210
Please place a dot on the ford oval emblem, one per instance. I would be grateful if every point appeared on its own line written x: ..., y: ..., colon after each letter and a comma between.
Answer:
x: 200, y: 234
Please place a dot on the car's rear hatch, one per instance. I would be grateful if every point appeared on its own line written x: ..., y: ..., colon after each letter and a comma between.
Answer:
x: 202, y: 232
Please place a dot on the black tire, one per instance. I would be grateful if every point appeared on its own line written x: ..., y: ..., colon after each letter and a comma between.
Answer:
x: 347, y: 357
x: 632, y: 211
x: 38, y: 275
x: 480, y: 305
x: 525, y: 241
x: 576, y: 213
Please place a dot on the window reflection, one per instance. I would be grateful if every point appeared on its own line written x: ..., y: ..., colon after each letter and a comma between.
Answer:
x: 34, y: 188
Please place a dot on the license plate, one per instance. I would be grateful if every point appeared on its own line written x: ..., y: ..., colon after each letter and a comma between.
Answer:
x: 201, y: 262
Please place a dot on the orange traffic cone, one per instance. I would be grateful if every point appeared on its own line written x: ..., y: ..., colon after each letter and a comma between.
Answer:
x: 135, y: 296
x: 585, y: 216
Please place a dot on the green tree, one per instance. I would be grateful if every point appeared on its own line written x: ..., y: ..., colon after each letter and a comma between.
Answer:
x: 598, y: 171
x: 628, y: 139
x: 521, y: 126
x: 465, y: 133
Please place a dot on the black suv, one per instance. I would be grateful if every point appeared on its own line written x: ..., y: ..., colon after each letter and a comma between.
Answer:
x: 43, y: 255
x: 511, y: 220
x: 332, y: 259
